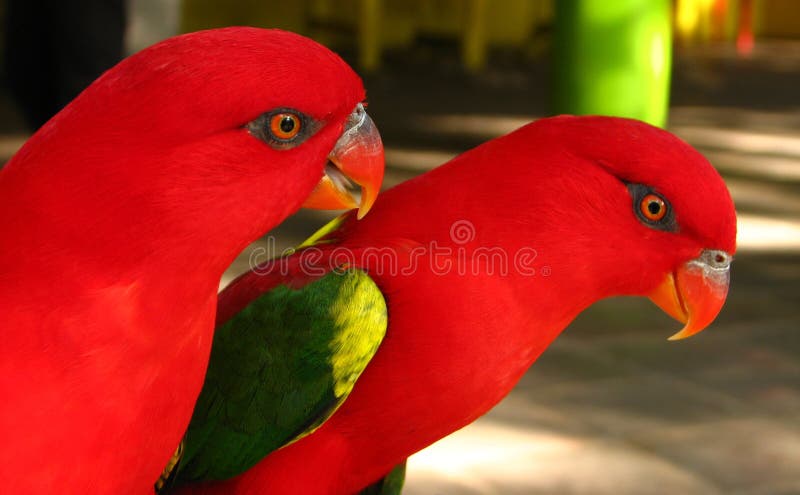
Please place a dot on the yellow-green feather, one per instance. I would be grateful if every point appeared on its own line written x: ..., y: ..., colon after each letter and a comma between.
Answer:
x: 349, y: 355
x: 391, y: 484
x: 279, y: 369
x: 326, y: 229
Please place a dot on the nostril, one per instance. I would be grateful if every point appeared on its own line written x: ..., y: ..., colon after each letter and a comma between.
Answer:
x: 716, y: 258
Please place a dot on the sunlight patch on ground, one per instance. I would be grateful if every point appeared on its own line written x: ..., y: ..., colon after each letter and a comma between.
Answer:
x: 496, y: 444
x: 761, y: 233
x: 738, y: 140
x: 765, y: 167
x: 765, y: 197
x: 490, y: 457
x: 10, y: 144
x: 475, y: 125
x: 735, y: 117
x: 415, y: 159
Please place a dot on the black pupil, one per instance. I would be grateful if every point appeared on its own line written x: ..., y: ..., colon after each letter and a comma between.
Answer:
x: 287, y: 124
x: 654, y: 207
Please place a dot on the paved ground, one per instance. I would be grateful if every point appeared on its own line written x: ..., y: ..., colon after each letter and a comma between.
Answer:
x: 613, y: 407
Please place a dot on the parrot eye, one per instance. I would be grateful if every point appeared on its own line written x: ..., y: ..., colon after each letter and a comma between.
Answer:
x: 284, y: 125
x: 651, y: 208
x: 282, y: 128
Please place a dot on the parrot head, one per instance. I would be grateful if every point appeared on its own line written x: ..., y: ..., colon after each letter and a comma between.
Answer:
x: 210, y: 136
x: 649, y: 209
x: 272, y: 100
x: 681, y: 218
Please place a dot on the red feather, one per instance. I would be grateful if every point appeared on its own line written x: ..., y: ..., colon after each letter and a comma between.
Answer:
x: 117, y: 220
x: 459, y: 338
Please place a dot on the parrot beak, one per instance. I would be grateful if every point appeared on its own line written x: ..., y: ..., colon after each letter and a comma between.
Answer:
x: 695, y: 292
x: 356, y: 158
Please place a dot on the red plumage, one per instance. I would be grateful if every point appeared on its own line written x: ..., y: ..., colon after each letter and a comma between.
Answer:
x: 117, y: 219
x: 461, y: 331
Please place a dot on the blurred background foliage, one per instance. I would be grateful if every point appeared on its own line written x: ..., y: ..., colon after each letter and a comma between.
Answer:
x: 607, y: 56
x: 610, y: 57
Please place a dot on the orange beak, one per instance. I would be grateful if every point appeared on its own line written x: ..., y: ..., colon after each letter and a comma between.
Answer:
x: 357, y: 158
x: 695, y: 292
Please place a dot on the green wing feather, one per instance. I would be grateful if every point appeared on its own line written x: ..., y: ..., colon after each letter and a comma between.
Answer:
x: 279, y: 369
x: 391, y: 484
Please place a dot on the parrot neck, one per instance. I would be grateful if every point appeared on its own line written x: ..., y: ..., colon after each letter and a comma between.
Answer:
x: 105, y: 229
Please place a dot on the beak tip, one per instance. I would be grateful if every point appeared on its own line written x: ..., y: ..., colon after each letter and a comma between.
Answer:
x: 682, y: 334
x: 369, y: 194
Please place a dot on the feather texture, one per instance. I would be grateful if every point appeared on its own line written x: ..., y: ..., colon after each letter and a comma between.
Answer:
x: 483, y: 262
x: 117, y: 220
x: 278, y: 369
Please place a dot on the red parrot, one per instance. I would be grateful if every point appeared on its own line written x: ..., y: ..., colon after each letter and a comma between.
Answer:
x: 117, y: 220
x: 480, y: 263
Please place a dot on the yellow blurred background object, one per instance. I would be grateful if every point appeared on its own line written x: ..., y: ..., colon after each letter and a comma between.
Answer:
x: 376, y: 25
x: 372, y: 26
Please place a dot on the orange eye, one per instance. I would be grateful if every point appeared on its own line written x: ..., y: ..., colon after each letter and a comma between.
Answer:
x: 653, y: 207
x: 284, y: 126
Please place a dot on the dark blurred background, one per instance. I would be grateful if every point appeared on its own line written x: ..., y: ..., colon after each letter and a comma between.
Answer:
x: 612, y: 407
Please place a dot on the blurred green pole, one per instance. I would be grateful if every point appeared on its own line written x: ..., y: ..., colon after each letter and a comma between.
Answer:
x: 613, y: 57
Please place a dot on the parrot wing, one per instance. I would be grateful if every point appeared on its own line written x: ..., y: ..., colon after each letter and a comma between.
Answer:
x: 279, y: 368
